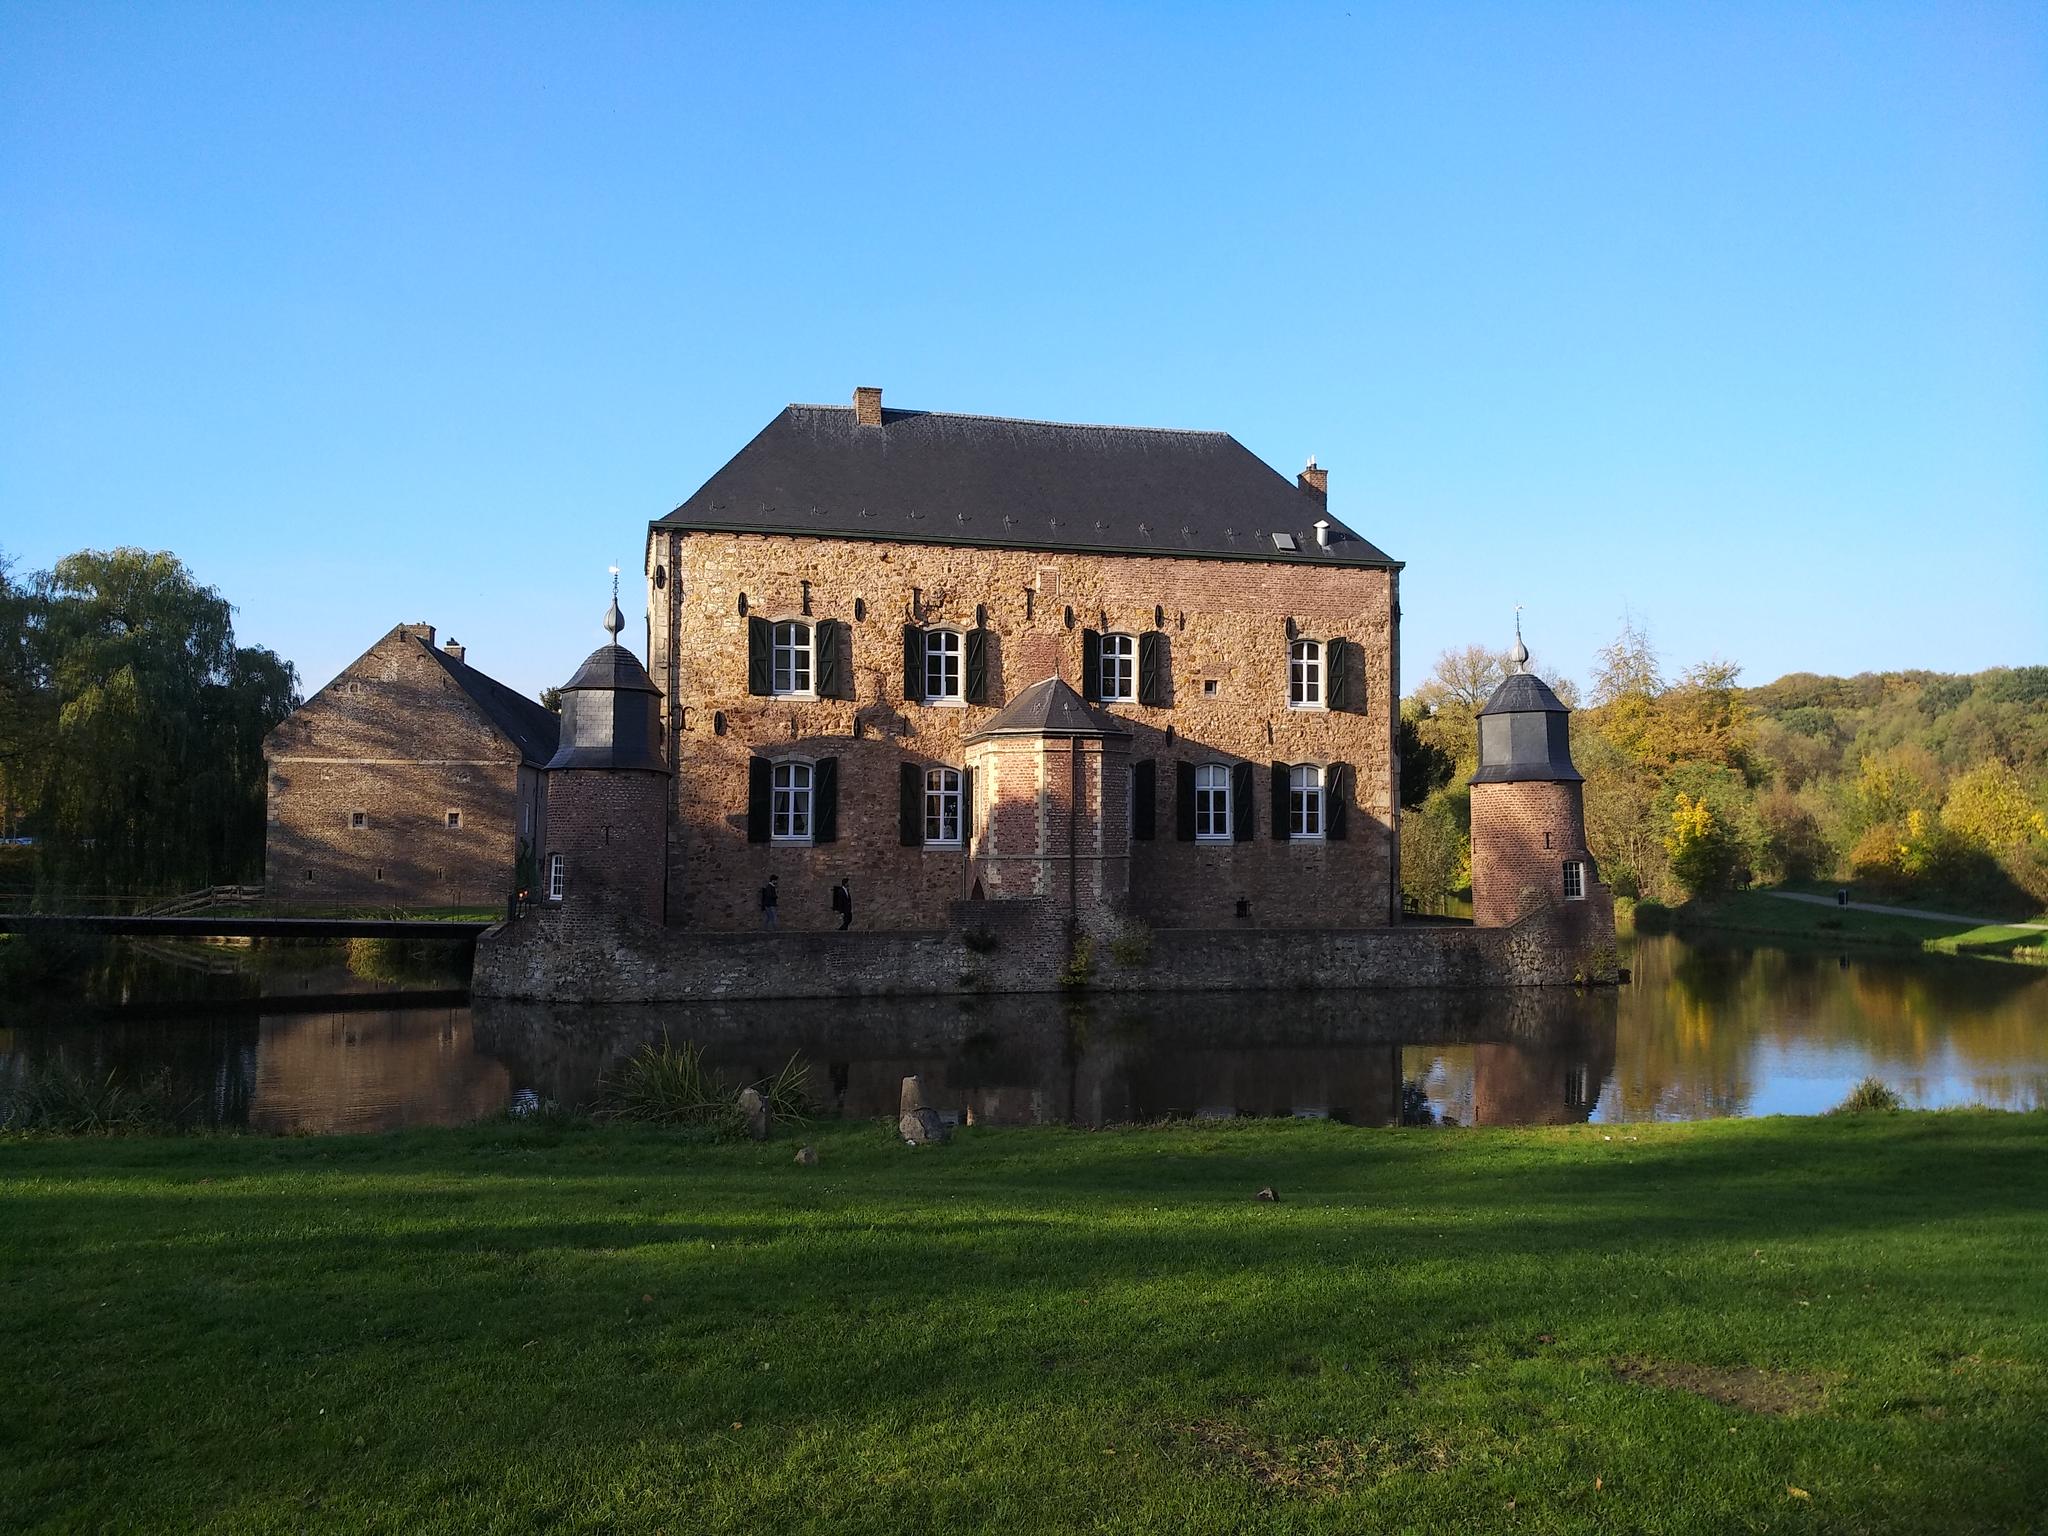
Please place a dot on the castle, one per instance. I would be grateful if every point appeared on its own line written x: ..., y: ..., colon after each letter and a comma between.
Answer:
x: 1024, y: 695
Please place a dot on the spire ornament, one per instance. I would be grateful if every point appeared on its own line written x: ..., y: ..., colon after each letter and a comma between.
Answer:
x: 615, y: 621
x: 1518, y: 658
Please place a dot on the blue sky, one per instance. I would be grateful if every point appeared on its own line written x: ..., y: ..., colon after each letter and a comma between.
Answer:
x: 1734, y: 316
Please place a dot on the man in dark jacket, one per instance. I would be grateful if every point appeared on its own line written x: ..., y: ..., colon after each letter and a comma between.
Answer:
x: 842, y: 903
x: 770, y: 918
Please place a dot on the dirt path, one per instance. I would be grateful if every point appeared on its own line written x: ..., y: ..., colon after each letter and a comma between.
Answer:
x: 1932, y: 917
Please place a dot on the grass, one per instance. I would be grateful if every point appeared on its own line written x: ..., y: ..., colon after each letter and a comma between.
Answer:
x: 1759, y: 912
x: 1825, y: 1324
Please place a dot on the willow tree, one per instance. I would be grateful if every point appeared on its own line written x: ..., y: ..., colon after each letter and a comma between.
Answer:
x: 148, y: 774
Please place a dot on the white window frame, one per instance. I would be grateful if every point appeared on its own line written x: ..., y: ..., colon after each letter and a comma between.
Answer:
x: 1306, y: 679
x: 1212, y: 795
x: 942, y: 791
x: 1119, y: 652
x: 792, y: 803
x: 359, y: 821
x: 792, y: 642
x: 557, y: 876
x: 1308, y: 819
x: 1574, y: 876
x: 451, y: 821
x: 948, y: 649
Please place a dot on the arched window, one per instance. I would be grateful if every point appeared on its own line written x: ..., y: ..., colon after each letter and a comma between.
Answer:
x: 942, y: 671
x: 1212, y: 802
x: 1119, y: 668
x: 942, y: 808
x: 1305, y: 675
x: 1305, y: 802
x: 790, y: 803
x: 792, y: 658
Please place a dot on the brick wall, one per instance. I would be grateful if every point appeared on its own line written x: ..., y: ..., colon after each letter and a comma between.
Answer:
x: 1226, y: 622
x: 611, y: 831
x: 1522, y: 833
x: 394, y: 738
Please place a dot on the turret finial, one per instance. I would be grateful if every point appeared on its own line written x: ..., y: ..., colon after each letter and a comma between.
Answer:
x: 1519, y: 656
x: 615, y: 621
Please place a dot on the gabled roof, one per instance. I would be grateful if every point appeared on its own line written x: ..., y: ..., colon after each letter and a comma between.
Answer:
x: 530, y: 724
x: 1050, y: 708
x: 929, y: 477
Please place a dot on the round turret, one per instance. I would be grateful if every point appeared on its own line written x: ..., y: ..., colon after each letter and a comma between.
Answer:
x: 1525, y: 733
x: 611, y: 711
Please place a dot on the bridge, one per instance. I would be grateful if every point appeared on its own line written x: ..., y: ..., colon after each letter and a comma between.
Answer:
x: 227, y: 927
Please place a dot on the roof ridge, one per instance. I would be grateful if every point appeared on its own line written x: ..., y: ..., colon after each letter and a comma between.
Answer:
x: 1020, y: 421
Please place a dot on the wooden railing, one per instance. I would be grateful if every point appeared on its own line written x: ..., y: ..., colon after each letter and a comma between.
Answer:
x: 200, y: 901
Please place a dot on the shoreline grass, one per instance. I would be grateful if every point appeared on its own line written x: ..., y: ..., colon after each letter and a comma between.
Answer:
x: 1759, y: 914
x: 1835, y: 1323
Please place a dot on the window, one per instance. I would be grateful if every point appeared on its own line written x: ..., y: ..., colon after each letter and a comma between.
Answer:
x: 1574, y: 880
x: 358, y: 821
x: 942, y: 683
x: 1119, y: 669
x: 1212, y: 803
x: 942, y: 808
x: 455, y: 821
x: 792, y: 658
x: 1210, y: 687
x: 1305, y: 675
x: 790, y: 805
x: 1305, y: 802
x: 555, y: 877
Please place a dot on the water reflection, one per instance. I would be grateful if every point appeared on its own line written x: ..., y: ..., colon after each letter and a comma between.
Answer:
x: 1704, y: 1031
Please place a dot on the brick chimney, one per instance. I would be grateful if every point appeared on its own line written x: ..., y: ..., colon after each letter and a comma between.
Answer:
x: 867, y: 406
x: 423, y: 631
x: 454, y: 648
x: 1314, y: 480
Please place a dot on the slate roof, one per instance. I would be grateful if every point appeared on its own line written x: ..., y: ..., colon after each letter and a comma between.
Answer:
x: 931, y: 477
x: 1049, y: 708
x: 614, y: 668
x: 531, y: 725
x: 1522, y: 693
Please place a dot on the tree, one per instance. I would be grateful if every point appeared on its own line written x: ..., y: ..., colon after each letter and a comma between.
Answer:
x: 551, y: 698
x: 1703, y: 854
x: 1436, y: 849
x: 1425, y: 765
x: 1990, y: 806
x: 151, y: 774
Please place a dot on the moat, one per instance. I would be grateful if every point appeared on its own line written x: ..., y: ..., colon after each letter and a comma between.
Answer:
x: 318, y: 1045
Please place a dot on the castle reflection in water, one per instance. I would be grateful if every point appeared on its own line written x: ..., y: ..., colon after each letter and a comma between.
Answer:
x: 1701, y: 1032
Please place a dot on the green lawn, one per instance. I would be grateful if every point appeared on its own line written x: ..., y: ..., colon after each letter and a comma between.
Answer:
x: 511, y: 1328
x: 1758, y: 912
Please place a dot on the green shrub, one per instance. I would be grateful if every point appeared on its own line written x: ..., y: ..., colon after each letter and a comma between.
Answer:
x: 1133, y: 947
x: 1080, y: 966
x: 1652, y: 917
x: 669, y: 1084
x: 1870, y: 1094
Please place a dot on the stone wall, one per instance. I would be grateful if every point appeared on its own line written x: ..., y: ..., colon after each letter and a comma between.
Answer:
x: 541, y: 956
x: 1227, y: 623
x: 394, y: 739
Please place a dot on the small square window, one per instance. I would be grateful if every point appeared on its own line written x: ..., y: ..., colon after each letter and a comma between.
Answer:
x: 358, y: 821
x: 454, y: 821
x: 1211, y: 687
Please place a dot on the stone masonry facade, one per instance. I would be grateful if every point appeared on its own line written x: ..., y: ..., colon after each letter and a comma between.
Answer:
x: 1227, y: 627
x: 365, y: 777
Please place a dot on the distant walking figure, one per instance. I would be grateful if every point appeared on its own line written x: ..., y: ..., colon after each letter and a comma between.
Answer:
x: 842, y: 903
x: 770, y: 918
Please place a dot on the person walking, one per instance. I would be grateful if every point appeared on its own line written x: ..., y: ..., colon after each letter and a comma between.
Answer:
x: 842, y: 903
x: 770, y: 897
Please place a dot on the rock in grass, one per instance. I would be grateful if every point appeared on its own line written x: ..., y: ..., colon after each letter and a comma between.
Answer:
x: 807, y: 1155
x: 754, y: 1111
x: 1268, y: 1194
x: 915, y: 1122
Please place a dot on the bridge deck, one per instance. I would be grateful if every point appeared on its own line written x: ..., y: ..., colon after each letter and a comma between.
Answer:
x: 203, y: 927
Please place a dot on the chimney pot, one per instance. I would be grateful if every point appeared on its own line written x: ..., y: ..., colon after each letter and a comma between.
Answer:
x: 1314, y: 480
x: 1323, y: 532
x: 867, y: 406
x: 455, y: 648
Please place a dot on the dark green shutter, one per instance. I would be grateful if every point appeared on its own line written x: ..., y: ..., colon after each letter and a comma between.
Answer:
x: 760, y: 656
x: 910, y: 805
x: 825, y: 800
x: 1144, y: 799
x: 1155, y: 675
x: 977, y: 666
x: 913, y: 664
x: 1336, y: 800
x: 1241, y: 802
x: 1337, y: 663
x: 966, y: 808
x: 835, y: 660
x: 758, y: 773
x: 1283, y: 825
x: 1184, y: 801
x: 1091, y: 665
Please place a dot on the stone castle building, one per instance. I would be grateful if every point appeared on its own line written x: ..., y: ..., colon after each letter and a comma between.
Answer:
x: 1126, y: 672
x: 411, y: 779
